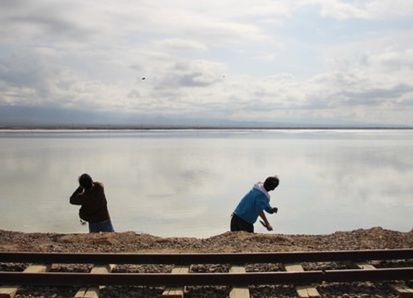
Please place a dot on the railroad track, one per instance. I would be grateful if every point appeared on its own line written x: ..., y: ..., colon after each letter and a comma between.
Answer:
x: 305, y: 281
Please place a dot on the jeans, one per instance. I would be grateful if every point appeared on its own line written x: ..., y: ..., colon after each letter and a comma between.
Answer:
x: 102, y: 226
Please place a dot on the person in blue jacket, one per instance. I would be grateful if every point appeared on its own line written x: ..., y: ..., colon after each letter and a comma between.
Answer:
x: 253, y: 205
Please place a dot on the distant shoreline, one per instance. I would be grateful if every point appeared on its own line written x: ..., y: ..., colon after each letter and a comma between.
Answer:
x: 120, y: 128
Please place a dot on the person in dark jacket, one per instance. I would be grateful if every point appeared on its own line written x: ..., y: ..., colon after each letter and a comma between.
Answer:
x: 253, y: 204
x: 91, y: 196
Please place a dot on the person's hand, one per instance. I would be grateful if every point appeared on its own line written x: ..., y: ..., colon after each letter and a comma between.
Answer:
x: 274, y: 210
x: 267, y: 226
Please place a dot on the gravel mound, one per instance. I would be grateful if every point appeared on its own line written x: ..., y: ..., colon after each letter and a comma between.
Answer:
x: 374, y: 238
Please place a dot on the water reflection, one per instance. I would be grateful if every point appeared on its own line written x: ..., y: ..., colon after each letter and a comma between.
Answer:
x: 188, y: 182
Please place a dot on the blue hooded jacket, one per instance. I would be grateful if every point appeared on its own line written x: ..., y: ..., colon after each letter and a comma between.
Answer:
x: 255, y: 201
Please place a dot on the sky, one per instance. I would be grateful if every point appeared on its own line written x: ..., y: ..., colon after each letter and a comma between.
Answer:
x: 226, y: 62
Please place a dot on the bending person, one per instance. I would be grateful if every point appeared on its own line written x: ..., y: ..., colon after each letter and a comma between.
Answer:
x: 252, y: 205
x: 91, y: 196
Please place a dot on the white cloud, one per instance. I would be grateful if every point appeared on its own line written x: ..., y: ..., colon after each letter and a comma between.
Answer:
x: 362, y: 9
x: 200, y: 59
x: 341, y: 10
x: 386, y: 8
x: 175, y: 44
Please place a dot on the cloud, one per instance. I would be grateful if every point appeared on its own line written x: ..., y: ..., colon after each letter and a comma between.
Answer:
x: 365, y: 9
x: 211, y: 59
x: 386, y: 8
x: 203, y: 88
x: 192, y: 74
x: 392, y: 60
x: 374, y: 96
x: 175, y: 44
x: 340, y: 10
x: 43, y: 22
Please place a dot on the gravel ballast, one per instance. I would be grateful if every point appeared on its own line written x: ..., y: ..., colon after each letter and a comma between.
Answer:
x: 374, y: 238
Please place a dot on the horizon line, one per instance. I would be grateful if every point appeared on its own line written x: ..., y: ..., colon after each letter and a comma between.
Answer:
x: 194, y: 127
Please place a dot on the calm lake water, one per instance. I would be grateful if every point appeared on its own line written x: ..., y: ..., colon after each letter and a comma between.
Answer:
x: 187, y: 182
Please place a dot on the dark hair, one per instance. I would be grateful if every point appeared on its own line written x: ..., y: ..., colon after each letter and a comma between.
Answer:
x: 271, y: 183
x: 85, y: 181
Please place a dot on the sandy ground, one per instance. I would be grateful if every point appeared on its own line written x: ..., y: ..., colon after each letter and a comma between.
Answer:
x: 374, y: 238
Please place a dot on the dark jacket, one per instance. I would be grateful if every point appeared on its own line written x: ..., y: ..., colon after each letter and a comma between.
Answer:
x: 93, y: 201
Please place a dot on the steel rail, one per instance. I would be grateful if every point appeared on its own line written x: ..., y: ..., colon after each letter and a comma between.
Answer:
x: 168, y: 279
x: 205, y: 258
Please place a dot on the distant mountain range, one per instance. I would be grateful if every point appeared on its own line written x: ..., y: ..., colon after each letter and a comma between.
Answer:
x: 55, y: 118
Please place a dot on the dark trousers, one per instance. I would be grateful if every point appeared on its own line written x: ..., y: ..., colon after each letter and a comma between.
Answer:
x: 103, y: 226
x: 238, y: 224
